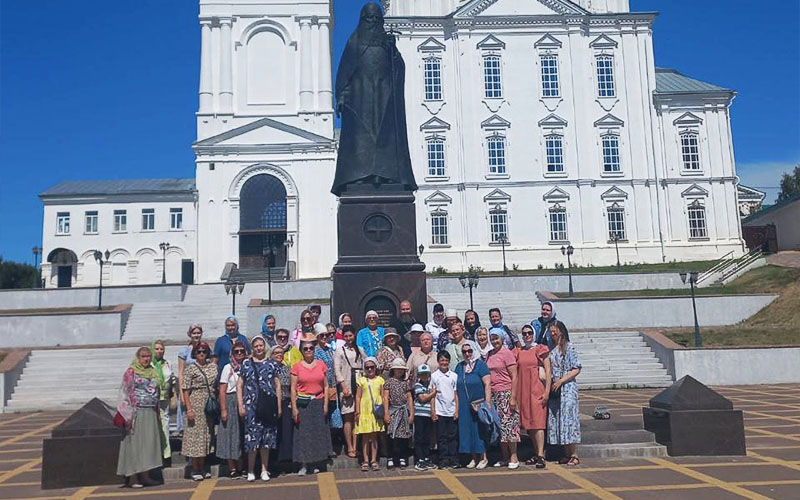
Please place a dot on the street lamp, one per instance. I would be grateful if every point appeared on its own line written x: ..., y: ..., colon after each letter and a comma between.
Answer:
x: 698, y: 340
x: 37, y: 251
x: 568, y: 250
x: 615, y: 238
x: 287, y: 245
x: 269, y: 258
x: 503, y: 242
x: 234, y: 288
x: 421, y: 249
x: 470, y: 280
x: 164, y: 247
x: 98, y: 256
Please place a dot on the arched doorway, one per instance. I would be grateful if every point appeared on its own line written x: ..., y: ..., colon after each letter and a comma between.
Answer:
x: 262, y: 223
x: 63, y: 265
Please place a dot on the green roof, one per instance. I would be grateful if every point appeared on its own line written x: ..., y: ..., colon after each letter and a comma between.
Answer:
x: 670, y: 81
x: 122, y: 186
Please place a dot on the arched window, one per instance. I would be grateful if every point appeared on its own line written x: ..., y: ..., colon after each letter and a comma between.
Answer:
x: 263, y: 204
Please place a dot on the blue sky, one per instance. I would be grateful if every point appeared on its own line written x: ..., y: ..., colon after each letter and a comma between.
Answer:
x: 100, y: 89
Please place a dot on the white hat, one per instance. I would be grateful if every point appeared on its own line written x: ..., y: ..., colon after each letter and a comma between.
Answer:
x: 370, y: 313
x: 451, y: 313
x: 397, y: 364
x: 423, y: 368
x: 320, y: 329
x: 416, y: 327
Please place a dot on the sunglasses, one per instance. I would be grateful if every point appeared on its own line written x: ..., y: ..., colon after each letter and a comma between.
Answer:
x: 308, y: 348
x: 203, y: 352
x: 308, y: 318
x: 238, y: 351
x: 467, y: 351
x: 282, y: 337
x: 370, y: 367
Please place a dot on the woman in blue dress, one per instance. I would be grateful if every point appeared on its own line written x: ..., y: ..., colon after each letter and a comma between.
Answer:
x: 563, y: 420
x: 473, y: 385
x: 324, y: 352
x: 258, y: 374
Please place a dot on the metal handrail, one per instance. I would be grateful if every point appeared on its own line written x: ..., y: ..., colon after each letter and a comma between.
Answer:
x: 721, y: 263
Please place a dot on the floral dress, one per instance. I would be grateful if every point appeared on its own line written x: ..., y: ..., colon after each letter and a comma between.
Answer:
x: 563, y: 420
x: 197, y: 436
x: 257, y: 377
x: 385, y: 357
x: 334, y: 415
x: 398, y: 408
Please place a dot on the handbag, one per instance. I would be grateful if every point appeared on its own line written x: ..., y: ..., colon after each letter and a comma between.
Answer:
x: 211, y: 408
x: 119, y: 420
x: 474, y: 406
x: 378, y: 410
x: 266, y: 404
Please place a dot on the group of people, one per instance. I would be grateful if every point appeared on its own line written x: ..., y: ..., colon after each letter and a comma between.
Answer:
x: 453, y: 388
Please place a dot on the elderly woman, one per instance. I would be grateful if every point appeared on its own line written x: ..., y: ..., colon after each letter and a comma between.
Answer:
x: 291, y: 354
x: 390, y: 351
x: 166, y: 382
x: 312, y: 439
x: 541, y: 325
x: 533, y: 382
x: 141, y: 449
x: 503, y: 369
x: 259, y: 379
x: 482, y: 340
x: 473, y: 386
x: 348, y: 362
x: 370, y: 338
x: 563, y: 421
x: 195, y: 334
x: 471, y: 324
x: 229, y: 437
x: 324, y: 351
x: 198, y: 386
x: 286, y: 425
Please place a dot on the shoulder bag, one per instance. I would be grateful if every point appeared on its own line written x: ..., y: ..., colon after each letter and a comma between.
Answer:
x: 266, y: 404
x: 211, y: 408
x: 378, y: 410
x: 474, y: 406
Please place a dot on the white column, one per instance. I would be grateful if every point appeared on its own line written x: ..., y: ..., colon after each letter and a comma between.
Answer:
x: 325, y: 75
x: 306, y: 81
x: 206, y: 96
x: 226, y: 72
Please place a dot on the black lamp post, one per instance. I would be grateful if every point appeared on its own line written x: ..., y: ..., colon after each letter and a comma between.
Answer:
x: 269, y: 258
x: 503, y: 242
x: 234, y: 288
x: 287, y: 245
x: 421, y: 249
x: 470, y: 280
x: 37, y: 251
x: 568, y: 250
x: 164, y: 247
x: 615, y: 239
x: 698, y: 340
x: 98, y: 256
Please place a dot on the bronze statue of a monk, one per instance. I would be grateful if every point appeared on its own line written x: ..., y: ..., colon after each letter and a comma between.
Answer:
x: 373, y: 145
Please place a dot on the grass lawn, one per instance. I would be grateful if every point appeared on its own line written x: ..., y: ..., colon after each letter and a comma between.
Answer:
x: 737, y: 335
x: 698, y: 265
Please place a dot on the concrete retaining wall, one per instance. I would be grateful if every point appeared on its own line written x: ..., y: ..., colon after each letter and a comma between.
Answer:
x: 63, y: 327
x: 10, y: 370
x: 287, y: 316
x: 651, y: 312
x: 560, y: 282
x: 739, y: 366
x: 87, y: 297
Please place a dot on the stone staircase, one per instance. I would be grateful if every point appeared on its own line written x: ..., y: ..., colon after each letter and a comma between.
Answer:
x: 518, y: 307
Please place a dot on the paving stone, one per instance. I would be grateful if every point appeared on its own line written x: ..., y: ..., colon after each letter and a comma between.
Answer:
x: 777, y: 492
x: 482, y: 483
x: 681, y: 494
x: 636, y: 477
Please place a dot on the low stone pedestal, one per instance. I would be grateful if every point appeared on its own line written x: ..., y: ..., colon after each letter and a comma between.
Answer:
x: 691, y: 419
x: 83, y: 450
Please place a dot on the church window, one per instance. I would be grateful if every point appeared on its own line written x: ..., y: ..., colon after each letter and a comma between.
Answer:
x: 492, y: 86
x: 554, y: 146
x: 616, y: 222
x: 176, y: 218
x: 120, y: 221
x: 549, y: 65
x: 496, y: 146
x: 498, y: 224
x: 690, y: 151
x: 610, y: 146
x: 148, y: 219
x: 697, y: 220
x: 439, y: 227
x: 433, y: 79
x: 90, y: 226
x: 62, y: 223
x: 436, y: 163
x: 558, y: 223
x: 605, y: 76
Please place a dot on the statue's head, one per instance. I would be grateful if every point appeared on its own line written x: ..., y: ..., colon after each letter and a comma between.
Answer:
x: 371, y: 20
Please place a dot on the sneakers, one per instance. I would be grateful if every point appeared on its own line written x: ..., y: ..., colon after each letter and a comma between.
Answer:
x: 420, y: 466
x: 207, y: 475
x: 390, y: 464
x: 197, y: 477
x: 251, y: 477
x: 264, y: 475
x: 499, y: 464
x: 513, y: 465
x: 482, y: 464
x: 302, y: 472
x: 403, y: 463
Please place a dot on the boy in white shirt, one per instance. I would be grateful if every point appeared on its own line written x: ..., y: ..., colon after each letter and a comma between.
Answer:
x: 445, y: 411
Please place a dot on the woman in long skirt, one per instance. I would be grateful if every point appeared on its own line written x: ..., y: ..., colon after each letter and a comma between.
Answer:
x: 312, y: 437
x: 198, y: 385
x: 231, y: 426
x: 563, y: 421
x: 166, y: 381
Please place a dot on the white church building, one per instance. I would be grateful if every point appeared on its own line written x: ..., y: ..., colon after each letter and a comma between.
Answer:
x: 533, y: 124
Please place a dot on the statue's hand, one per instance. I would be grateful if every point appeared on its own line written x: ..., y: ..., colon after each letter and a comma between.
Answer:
x: 339, y: 106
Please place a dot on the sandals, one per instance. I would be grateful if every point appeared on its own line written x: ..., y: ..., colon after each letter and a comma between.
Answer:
x: 352, y: 454
x: 531, y: 461
x: 573, y: 461
x: 376, y: 466
x: 563, y: 460
x: 365, y: 467
x: 539, y: 462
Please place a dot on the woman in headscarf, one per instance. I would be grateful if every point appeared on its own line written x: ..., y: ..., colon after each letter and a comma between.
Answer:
x: 268, y: 329
x: 503, y: 369
x: 482, y: 339
x: 324, y: 352
x: 195, y: 334
x: 541, y: 325
x: 390, y: 351
x: 286, y: 425
x: 198, y: 385
x: 472, y: 386
x: 345, y: 320
x: 166, y: 380
x: 229, y: 434
x: 141, y: 449
x: 370, y: 338
x: 259, y: 379
x: 471, y: 324
x: 533, y: 382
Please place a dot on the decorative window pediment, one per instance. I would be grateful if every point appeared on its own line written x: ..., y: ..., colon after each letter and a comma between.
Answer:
x: 693, y: 191
x: 556, y: 194
x: 438, y: 198
x: 687, y: 118
x: 431, y: 45
x: 609, y: 121
x: 495, y: 122
x: 498, y: 195
x: 603, y: 42
x: 552, y: 121
x: 614, y: 193
x: 434, y: 125
x: 547, y: 42
x: 491, y: 42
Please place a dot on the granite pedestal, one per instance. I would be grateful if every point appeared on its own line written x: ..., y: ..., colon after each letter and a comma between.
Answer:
x: 691, y: 419
x: 378, y: 265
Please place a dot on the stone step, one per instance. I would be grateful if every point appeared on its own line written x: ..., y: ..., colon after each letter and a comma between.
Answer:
x: 616, y: 437
x: 622, y: 450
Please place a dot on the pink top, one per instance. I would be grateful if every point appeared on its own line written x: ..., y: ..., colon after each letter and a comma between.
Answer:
x: 498, y: 364
x: 310, y: 380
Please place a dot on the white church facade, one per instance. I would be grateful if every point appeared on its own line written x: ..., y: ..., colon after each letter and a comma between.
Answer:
x: 532, y: 124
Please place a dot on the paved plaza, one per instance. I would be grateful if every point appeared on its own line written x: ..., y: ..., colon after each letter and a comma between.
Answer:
x: 771, y: 468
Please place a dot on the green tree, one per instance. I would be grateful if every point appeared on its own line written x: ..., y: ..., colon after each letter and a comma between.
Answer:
x: 790, y: 184
x: 16, y: 274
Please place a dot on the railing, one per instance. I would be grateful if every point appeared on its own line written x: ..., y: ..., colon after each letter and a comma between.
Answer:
x: 741, y: 264
x: 723, y: 262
